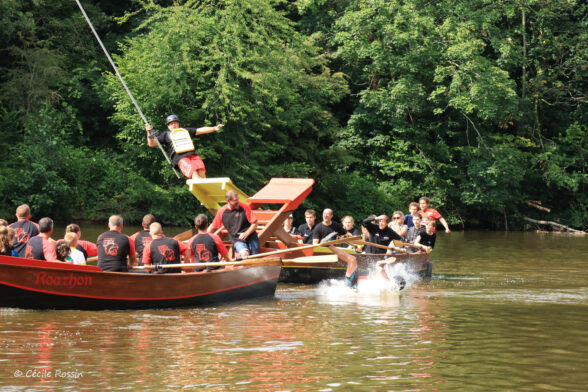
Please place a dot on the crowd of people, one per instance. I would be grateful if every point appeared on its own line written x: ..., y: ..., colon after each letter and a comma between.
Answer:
x: 118, y: 252
x: 417, y: 228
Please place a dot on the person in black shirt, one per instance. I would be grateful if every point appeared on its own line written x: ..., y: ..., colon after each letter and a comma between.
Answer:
x: 24, y: 229
x: 380, y: 233
x: 180, y: 145
x: 114, y: 247
x: 327, y: 227
x: 306, y: 229
x: 143, y: 238
x: 428, y: 237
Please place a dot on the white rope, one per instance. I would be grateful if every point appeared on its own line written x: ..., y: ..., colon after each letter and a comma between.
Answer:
x: 123, y: 83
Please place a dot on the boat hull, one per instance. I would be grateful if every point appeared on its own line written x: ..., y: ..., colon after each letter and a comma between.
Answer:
x: 312, y: 273
x: 33, y: 284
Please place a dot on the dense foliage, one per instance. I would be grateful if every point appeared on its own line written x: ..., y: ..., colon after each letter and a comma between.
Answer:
x: 478, y: 104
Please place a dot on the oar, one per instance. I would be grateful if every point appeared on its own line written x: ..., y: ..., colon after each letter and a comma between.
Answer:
x: 252, y: 263
x: 313, y: 259
x: 328, y: 243
x: 382, y: 246
x: 401, y: 243
x: 186, y: 235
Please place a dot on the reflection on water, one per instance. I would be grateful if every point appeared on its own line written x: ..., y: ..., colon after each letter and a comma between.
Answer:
x: 502, y: 312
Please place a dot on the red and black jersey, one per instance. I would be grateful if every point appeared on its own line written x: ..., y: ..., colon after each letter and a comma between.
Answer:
x: 142, y: 239
x: 25, y: 230
x: 113, y: 249
x: 164, y: 250
x: 235, y: 221
x: 40, y: 248
x: 206, y: 248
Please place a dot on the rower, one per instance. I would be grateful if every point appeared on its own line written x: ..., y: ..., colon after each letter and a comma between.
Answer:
x: 114, y: 247
x: 143, y: 238
x: 205, y: 246
x: 164, y: 250
x: 24, y: 228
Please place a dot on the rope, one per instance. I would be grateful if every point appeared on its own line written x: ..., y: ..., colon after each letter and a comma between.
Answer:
x: 123, y: 83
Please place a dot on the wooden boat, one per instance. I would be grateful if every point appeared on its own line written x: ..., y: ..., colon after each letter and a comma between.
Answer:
x: 35, y: 284
x: 282, y: 196
x: 308, y: 271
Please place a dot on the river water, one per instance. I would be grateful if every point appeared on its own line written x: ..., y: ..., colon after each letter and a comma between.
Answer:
x: 503, y: 312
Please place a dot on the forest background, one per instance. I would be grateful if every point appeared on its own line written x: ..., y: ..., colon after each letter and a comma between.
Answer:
x: 478, y: 104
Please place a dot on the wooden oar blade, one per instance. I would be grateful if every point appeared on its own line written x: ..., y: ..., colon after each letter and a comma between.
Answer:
x: 401, y: 243
x: 313, y: 259
x: 185, y: 236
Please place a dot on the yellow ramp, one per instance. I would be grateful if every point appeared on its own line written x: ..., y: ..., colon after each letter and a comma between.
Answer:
x: 211, y: 192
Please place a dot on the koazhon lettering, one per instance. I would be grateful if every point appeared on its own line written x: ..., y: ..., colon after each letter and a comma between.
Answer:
x: 70, y: 281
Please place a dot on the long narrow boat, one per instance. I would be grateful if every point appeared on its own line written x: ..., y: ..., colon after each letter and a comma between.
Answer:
x: 311, y: 272
x: 34, y: 284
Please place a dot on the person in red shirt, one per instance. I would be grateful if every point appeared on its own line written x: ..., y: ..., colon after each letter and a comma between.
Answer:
x: 206, y: 247
x: 143, y: 238
x: 164, y: 250
x: 24, y: 228
x: 431, y: 213
x: 88, y: 248
x: 42, y: 246
x: 241, y: 224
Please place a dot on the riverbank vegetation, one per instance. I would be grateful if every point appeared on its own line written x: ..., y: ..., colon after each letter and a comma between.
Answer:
x: 480, y: 105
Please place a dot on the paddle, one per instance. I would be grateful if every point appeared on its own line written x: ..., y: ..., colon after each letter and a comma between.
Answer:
x: 400, y: 243
x: 313, y: 259
x: 277, y: 252
x: 270, y: 261
x: 186, y: 235
x: 382, y: 246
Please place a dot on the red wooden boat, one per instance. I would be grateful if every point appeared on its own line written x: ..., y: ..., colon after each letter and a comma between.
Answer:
x: 35, y: 284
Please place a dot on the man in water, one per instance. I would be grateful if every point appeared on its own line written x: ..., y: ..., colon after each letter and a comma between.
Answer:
x: 180, y: 146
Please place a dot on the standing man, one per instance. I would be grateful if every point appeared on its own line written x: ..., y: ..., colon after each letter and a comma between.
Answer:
x: 114, y: 247
x: 241, y: 224
x: 306, y: 229
x: 431, y: 213
x: 327, y: 227
x: 24, y: 228
x: 380, y: 233
x: 180, y: 145
x: 143, y: 238
x: 164, y: 250
x: 205, y: 246
x: 413, y: 208
x: 42, y: 246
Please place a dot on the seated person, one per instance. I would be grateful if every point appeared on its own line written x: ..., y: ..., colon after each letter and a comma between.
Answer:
x: 6, y: 241
x: 397, y: 224
x: 427, y: 239
x: 42, y: 246
x: 380, y: 233
x: 114, y: 247
x: 289, y: 225
x: 414, y: 232
x: 63, y: 251
x: 86, y: 247
x: 413, y: 208
x: 164, y: 250
x: 327, y: 229
x: 76, y: 255
x: 206, y: 247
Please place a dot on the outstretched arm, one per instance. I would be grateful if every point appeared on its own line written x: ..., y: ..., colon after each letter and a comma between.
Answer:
x: 204, y: 130
x: 444, y: 223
